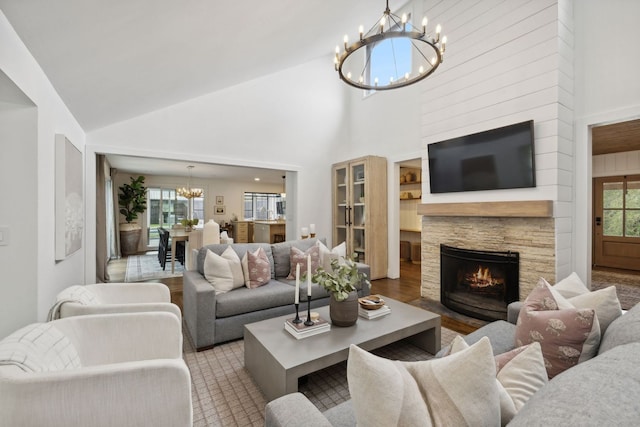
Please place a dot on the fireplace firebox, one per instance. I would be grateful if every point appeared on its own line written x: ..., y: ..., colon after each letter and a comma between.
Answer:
x: 479, y: 283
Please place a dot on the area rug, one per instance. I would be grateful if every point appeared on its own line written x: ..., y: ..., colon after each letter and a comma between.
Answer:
x: 147, y: 267
x: 627, y: 285
x: 225, y: 395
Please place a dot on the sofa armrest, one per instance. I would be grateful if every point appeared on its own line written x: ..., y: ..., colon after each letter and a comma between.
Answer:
x: 199, y: 308
x: 293, y: 410
x: 69, y: 309
x: 513, y: 311
x: 140, y: 393
x: 99, y: 339
x: 120, y: 293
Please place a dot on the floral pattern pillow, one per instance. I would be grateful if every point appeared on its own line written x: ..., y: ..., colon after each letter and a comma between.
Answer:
x: 299, y: 257
x: 567, y: 336
x: 256, y: 268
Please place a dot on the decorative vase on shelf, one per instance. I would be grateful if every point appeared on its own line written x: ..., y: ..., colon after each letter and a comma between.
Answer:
x: 344, y: 313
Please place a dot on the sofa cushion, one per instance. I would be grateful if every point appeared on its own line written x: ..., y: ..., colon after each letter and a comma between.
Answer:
x: 298, y: 256
x: 499, y: 332
x: 245, y: 300
x: 317, y: 291
x: 520, y: 374
x: 239, y: 248
x: 602, y: 391
x: 457, y: 390
x: 256, y: 268
x: 625, y: 329
x: 567, y: 335
x: 282, y: 254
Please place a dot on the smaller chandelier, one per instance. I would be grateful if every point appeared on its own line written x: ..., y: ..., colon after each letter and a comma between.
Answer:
x: 354, y: 65
x: 189, y: 193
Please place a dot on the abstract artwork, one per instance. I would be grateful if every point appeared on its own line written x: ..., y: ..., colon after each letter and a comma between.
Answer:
x: 69, y: 205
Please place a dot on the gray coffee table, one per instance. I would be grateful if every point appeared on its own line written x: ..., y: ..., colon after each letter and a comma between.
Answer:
x: 276, y: 360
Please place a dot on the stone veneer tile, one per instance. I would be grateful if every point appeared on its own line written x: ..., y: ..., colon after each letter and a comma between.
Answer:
x: 533, y: 238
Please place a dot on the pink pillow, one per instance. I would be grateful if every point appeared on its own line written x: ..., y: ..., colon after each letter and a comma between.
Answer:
x: 567, y: 335
x: 299, y: 257
x: 256, y: 268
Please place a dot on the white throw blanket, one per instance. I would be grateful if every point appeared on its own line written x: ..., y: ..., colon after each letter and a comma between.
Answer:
x: 77, y: 293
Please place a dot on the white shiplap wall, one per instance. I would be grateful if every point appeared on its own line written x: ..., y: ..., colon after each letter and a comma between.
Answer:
x: 507, y: 61
x: 613, y: 164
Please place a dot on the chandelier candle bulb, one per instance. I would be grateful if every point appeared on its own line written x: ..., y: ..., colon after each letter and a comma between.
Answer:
x: 346, y: 41
x: 361, y: 31
x: 438, y: 30
x: 424, y: 25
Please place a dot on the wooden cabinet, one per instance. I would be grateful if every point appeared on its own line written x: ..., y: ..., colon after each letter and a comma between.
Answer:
x: 269, y: 231
x: 359, y: 198
x: 242, y: 231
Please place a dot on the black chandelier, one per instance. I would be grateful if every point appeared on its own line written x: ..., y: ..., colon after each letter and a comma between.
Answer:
x: 354, y: 63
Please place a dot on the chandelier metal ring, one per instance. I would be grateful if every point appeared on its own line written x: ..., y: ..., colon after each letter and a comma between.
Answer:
x: 429, y: 51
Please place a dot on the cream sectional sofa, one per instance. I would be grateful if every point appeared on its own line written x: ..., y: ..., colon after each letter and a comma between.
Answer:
x: 212, y: 319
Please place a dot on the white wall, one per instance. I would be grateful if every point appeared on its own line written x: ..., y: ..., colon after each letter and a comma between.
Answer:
x: 35, y: 266
x: 293, y: 120
x: 613, y: 164
x: 607, y: 90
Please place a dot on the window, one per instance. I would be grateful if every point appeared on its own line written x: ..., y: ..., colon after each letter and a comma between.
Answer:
x: 263, y: 206
x: 390, y: 58
x: 165, y: 209
x: 621, y: 208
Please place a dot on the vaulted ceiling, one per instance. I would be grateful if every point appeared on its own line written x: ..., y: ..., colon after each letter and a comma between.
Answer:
x: 111, y: 60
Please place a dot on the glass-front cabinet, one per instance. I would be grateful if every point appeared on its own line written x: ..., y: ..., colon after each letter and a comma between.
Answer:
x: 359, y: 208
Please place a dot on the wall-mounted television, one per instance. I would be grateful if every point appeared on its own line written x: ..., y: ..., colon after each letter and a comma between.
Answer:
x: 491, y: 160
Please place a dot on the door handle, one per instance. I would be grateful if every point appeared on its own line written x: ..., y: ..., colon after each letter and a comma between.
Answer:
x: 349, y: 220
x: 598, y: 221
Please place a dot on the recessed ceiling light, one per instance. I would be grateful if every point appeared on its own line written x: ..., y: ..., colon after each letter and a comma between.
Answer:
x: 256, y: 179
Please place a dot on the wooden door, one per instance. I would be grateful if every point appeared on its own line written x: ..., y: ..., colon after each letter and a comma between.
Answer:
x: 616, y: 222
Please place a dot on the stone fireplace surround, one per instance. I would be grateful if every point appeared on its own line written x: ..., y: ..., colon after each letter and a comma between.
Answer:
x: 527, y: 227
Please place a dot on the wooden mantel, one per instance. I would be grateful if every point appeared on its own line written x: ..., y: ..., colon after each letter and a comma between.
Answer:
x: 526, y: 209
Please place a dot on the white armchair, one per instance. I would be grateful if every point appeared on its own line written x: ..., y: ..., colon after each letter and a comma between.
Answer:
x: 97, y: 370
x: 102, y: 298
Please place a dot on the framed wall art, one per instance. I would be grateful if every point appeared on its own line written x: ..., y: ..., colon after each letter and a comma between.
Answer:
x: 69, y: 205
x: 219, y: 200
x: 219, y: 210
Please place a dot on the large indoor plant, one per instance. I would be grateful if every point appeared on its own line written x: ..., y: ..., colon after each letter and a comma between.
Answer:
x: 341, y: 283
x: 132, y: 200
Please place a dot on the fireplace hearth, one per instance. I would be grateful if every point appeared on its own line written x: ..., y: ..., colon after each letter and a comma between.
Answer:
x: 479, y: 283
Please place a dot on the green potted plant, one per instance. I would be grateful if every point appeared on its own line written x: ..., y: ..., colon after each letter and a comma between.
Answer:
x: 341, y: 283
x: 132, y: 199
x: 189, y: 224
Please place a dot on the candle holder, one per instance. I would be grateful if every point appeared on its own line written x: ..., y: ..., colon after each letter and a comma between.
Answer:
x: 297, y: 319
x: 308, y: 322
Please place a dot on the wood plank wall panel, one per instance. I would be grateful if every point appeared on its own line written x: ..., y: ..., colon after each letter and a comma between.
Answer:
x: 507, y: 61
x: 616, y: 164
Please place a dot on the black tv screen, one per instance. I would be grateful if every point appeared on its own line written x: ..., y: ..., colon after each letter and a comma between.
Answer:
x: 492, y: 160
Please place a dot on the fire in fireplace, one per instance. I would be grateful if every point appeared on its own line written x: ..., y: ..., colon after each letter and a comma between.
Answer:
x: 478, y: 283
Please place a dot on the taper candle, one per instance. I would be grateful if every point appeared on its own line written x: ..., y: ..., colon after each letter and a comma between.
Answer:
x: 309, y: 275
x: 297, y: 300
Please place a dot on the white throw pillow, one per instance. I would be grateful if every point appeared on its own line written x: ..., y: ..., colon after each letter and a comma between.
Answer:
x: 236, y: 266
x: 571, y: 286
x: 604, y: 301
x: 520, y: 374
x: 460, y: 389
x: 326, y: 255
x: 217, y: 271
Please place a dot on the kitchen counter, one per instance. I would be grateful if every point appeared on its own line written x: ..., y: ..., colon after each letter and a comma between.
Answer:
x: 269, y: 231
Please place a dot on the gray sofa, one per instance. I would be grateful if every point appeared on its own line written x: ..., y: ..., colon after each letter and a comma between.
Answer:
x: 213, y: 319
x: 600, y: 391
